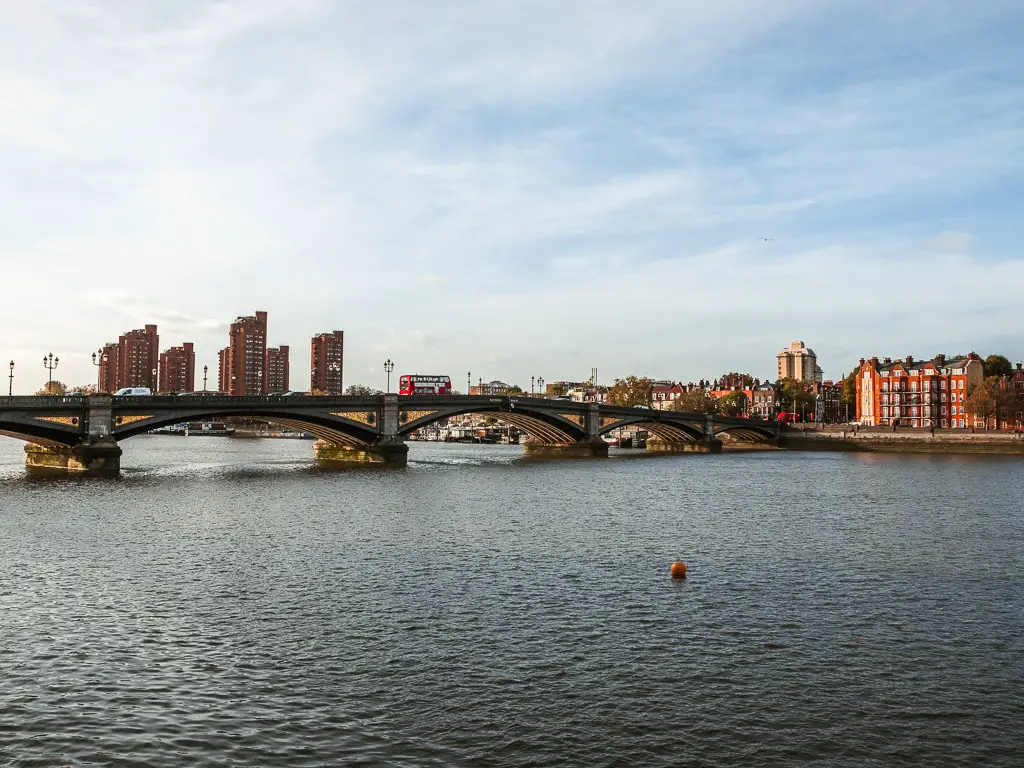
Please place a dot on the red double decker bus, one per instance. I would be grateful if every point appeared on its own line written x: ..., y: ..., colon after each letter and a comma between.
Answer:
x: 414, y: 384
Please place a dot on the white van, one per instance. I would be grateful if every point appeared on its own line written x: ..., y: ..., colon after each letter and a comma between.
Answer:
x: 132, y: 391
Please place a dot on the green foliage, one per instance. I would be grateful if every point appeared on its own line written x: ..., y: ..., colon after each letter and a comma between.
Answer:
x: 558, y: 389
x: 795, y: 397
x: 997, y: 365
x: 696, y: 401
x: 849, y: 393
x: 989, y: 399
x: 514, y: 390
x: 733, y: 404
x: 361, y: 389
x: 631, y: 391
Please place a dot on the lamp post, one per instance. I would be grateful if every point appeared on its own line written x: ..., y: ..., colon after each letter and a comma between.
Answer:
x: 99, y: 361
x: 388, y: 368
x: 50, y: 363
x: 540, y: 386
x: 205, y: 369
x: 10, y: 380
x: 469, y: 379
x: 153, y: 381
x: 532, y: 380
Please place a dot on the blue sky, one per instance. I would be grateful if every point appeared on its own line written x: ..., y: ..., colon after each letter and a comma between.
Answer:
x: 513, y: 188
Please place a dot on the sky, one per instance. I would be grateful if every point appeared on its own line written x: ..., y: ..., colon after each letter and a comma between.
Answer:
x: 513, y: 188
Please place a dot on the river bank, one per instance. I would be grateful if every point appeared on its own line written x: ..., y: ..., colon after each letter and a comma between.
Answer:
x: 903, y: 440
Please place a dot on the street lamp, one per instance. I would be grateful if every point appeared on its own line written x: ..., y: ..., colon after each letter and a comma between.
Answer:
x: 333, y: 368
x: 50, y: 363
x: 205, y: 369
x: 10, y: 383
x: 388, y: 368
x: 99, y: 363
x: 532, y: 391
x: 153, y: 381
x: 540, y: 386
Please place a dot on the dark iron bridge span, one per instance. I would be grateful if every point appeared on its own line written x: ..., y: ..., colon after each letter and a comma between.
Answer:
x: 83, y: 433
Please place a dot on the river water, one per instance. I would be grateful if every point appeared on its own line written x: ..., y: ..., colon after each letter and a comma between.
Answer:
x: 224, y: 603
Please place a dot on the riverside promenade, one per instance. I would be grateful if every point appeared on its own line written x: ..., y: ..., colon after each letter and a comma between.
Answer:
x: 843, y: 437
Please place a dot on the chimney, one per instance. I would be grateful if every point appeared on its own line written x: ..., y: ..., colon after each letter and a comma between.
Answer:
x: 862, y: 362
x: 886, y: 360
x: 940, y: 359
x: 874, y: 361
x: 910, y: 359
x: 1018, y: 366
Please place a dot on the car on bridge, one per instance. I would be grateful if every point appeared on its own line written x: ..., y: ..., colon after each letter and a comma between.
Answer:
x: 133, y: 391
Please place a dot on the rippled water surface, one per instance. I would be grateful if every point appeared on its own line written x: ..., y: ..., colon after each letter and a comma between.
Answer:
x: 224, y: 603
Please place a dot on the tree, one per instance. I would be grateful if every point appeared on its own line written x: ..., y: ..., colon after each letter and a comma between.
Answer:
x: 733, y: 404
x: 361, y: 389
x: 694, y: 401
x: 794, y: 397
x: 514, y: 390
x: 997, y: 365
x: 86, y: 389
x: 558, y: 389
x: 631, y: 391
x: 54, y: 388
x: 849, y: 393
x: 981, y: 400
x: 989, y: 399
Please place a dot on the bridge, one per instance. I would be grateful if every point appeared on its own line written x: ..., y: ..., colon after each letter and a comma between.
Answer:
x: 83, y: 434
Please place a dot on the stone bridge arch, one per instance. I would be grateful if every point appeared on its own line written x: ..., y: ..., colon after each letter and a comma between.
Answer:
x: 545, y: 427
x: 45, y: 438
x: 353, y: 429
x: 668, y: 431
x: 751, y: 432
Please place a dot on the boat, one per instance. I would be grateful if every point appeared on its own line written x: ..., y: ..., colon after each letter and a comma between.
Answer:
x: 208, y: 429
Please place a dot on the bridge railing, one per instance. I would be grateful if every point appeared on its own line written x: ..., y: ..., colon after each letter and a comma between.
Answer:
x: 204, y: 401
x: 42, y: 401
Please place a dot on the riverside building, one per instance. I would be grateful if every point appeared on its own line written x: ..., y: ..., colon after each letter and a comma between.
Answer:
x: 277, y: 369
x: 244, y: 366
x: 798, y: 361
x: 327, y: 363
x: 178, y: 369
x: 928, y: 393
x: 132, y: 362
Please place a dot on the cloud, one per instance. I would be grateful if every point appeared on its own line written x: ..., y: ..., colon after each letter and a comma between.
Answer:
x: 531, y: 189
x: 952, y: 242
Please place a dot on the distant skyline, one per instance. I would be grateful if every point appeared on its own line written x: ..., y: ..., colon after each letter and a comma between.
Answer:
x: 677, y: 189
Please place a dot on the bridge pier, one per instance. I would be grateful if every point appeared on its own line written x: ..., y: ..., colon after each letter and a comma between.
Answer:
x: 701, y: 446
x: 101, y: 458
x: 588, y: 448
x: 383, y: 453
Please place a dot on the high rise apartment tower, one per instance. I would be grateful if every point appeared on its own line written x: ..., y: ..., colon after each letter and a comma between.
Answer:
x: 107, y: 361
x: 224, y: 370
x: 277, y: 369
x: 178, y: 369
x: 799, y: 362
x: 248, y: 355
x: 132, y: 362
x: 327, y: 360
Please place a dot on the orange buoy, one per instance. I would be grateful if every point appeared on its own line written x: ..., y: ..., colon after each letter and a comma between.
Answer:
x: 678, y: 570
